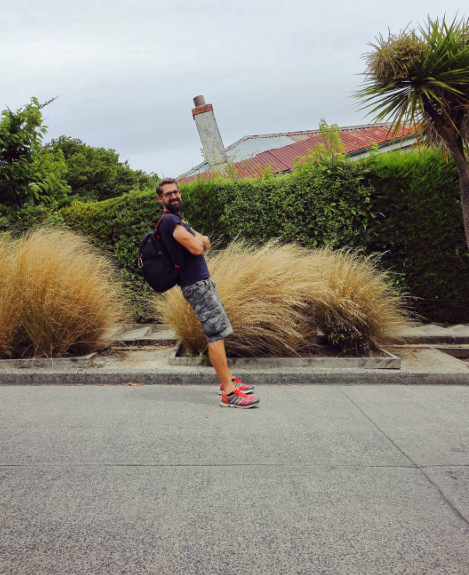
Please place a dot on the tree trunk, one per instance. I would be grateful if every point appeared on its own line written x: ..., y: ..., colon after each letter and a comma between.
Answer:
x: 17, y: 199
x: 453, y: 140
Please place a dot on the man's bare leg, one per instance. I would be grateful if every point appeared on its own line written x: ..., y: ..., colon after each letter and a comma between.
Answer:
x: 217, y: 354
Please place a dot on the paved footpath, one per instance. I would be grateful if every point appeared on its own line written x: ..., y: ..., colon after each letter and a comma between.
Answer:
x: 327, y: 480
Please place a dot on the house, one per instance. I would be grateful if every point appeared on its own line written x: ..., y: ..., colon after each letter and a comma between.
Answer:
x: 251, y: 155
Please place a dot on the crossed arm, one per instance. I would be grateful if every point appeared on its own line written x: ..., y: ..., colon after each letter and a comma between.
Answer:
x: 197, y: 244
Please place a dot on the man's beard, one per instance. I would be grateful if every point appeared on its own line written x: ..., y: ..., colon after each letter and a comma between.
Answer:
x: 173, y: 206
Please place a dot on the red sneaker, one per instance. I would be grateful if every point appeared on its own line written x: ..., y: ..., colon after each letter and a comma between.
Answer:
x: 239, y: 385
x: 239, y: 399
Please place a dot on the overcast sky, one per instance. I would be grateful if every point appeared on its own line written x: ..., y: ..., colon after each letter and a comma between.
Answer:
x: 126, y: 71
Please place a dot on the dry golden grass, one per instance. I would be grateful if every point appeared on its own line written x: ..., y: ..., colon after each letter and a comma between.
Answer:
x: 264, y: 291
x: 9, y: 309
x: 276, y: 296
x: 359, y: 300
x: 64, y: 292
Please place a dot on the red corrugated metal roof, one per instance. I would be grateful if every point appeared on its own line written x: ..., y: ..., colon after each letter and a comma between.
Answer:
x: 282, y: 159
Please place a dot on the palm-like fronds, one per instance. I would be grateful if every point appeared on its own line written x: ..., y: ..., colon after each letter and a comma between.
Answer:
x: 420, y: 78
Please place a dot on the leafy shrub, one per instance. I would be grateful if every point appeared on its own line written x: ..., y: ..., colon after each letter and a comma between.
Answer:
x: 30, y: 216
x: 65, y: 299
x: 29, y: 172
x: 96, y: 174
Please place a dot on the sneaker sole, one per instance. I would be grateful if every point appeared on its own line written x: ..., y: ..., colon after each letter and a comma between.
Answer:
x: 240, y: 406
x: 251, y: 391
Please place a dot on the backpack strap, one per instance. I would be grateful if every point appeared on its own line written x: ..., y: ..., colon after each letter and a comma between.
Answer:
x: 158, y: 223
x: 158, y: 237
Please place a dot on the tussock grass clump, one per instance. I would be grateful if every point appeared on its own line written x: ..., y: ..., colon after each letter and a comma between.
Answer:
x: 9, y: 309
x: 264, y: 293
x: 65, y: 297
x: 277, y: 295
x: 360, y: 309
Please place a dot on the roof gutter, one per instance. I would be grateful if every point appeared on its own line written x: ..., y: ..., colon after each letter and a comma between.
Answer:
x: 380, y: 145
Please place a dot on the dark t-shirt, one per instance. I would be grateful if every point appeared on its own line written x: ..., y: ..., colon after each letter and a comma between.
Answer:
x: 192, y: 268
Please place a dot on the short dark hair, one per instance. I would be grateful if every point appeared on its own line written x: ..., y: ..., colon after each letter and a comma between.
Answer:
x: 161, y: 183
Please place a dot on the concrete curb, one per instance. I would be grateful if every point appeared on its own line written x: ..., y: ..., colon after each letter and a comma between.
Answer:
x: 207, y: 376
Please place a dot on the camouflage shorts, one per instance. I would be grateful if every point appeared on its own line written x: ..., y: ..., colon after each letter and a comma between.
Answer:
x: 209, y: 309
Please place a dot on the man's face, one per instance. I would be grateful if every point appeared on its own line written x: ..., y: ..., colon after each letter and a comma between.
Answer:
x: 171, y: 198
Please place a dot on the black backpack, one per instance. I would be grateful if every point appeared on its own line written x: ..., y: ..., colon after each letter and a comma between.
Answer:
x: 154, y: 262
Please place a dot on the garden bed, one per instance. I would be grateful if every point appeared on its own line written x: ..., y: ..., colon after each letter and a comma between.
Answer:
x: 326, y: 357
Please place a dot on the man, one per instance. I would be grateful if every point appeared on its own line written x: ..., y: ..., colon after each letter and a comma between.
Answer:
x: 186, y: 246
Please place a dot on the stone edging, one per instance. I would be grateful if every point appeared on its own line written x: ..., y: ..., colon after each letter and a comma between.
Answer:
x: 390, y: 361
x: 79, y: 361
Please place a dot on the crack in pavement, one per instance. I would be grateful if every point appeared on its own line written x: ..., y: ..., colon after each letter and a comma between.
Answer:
x: 421, y: 468
x: 288, y: 465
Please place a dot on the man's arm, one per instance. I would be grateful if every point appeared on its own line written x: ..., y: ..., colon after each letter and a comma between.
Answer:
x: 195, y: 244
x: 204, y: 239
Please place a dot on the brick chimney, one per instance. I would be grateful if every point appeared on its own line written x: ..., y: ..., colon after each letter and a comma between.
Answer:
x: 214, y: 150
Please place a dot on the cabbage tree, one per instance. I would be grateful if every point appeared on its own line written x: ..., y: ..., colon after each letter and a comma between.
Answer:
x: 420, y: 78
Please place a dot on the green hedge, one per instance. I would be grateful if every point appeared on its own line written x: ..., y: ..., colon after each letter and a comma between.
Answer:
x: 404, y: 205
x: 421, y: 232
x: 314, y: 207
x: 120, y: 223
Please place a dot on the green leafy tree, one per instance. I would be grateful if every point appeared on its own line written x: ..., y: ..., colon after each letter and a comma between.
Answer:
x: 420, y: 77
x: 96, y: 173
x: 330, y: 147
x: 29, y: 172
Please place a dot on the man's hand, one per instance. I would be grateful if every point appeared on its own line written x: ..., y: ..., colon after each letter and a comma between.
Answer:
x: 204, y: 239
x: 197, y: 244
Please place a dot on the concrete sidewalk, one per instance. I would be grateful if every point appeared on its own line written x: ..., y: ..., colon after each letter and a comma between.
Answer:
x: 160, y: 480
